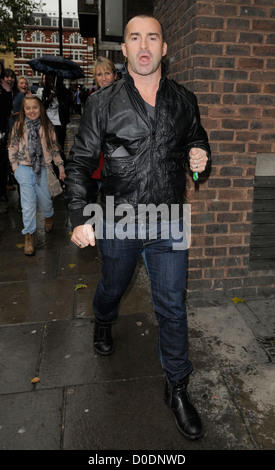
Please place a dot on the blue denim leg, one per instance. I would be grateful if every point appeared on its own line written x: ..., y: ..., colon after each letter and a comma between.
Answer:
x: 167, y: 270
x: 24, y: 176
x: 43, y: 196
x: 30, y: 192
x: 119, y: 259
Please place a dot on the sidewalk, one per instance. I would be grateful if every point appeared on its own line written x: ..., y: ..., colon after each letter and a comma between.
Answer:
x: 86, y: 402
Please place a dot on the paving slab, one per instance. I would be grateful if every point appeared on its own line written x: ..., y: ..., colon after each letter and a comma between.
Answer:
x: 225, y: 337
x: 37, y: 300
x: 259, y: 315
x: 19, y: 353
x: 68, y: 357
x: 31, y: 421
x: 43, y: 264
x: 253, y: 391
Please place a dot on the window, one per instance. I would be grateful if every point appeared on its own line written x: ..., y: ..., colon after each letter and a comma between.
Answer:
x: 37, y: 53
x: 55, y: 38
x: 46, y: 21
x: 77, y: 55
x: 26, y: 53
x: 76, y: 39
x: 67, y: 22
x: 112, y: 20
x: 37, y: 36
x: 22, y: 70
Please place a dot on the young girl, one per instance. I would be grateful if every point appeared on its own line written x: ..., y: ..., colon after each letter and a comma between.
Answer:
x: 32, y: 146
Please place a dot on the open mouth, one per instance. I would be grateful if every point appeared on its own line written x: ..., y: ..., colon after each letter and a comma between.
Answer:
x: 144, y: 58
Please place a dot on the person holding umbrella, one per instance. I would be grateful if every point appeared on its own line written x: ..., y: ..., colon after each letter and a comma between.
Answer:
x: 56, y: 99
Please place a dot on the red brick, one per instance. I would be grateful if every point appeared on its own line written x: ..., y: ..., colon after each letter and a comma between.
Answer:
x: 224, y: 52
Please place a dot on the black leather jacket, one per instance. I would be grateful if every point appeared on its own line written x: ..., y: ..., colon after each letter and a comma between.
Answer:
x: 145, y: 162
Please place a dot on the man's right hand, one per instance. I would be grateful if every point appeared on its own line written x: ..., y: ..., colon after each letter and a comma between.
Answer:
x: 83, y: 235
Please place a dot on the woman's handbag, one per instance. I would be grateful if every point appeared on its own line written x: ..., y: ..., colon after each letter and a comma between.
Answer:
x: 53, y: 183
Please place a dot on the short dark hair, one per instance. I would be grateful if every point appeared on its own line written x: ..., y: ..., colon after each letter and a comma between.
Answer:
x: 145, y: 16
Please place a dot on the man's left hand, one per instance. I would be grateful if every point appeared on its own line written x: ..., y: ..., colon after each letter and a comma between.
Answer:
x: 198, y: 159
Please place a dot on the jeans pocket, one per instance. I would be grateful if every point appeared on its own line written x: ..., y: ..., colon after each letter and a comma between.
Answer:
x: 16, y: 172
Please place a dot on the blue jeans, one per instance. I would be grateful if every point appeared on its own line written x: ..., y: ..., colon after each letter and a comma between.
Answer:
x: 30, y: 194
x: 167, y: 270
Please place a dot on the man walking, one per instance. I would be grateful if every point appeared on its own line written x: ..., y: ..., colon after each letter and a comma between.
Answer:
x: 149, y: 130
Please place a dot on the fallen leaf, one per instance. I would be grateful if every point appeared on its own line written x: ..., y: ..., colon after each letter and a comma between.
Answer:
x: 35, y: 380
x: 20, y: 245
x: 72, y: 265
x: 80, y: 286
x: 236, y: 300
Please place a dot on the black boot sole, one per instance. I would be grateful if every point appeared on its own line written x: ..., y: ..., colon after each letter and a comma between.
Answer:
x: 188, y: 436
x: 104, y: 353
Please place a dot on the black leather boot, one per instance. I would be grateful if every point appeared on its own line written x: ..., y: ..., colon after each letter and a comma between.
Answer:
x: 187, y: 418
x: 103, y: 341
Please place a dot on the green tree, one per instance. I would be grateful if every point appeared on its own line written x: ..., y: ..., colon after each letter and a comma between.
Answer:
x: 14, y: 16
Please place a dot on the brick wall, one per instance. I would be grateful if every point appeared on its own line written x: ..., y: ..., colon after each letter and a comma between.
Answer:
x: 225, y: 52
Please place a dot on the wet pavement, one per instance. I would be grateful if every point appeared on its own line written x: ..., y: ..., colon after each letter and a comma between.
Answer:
x: 81, y: 401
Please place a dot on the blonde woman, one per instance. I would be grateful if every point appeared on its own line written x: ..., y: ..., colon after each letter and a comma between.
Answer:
x: 105, y: 74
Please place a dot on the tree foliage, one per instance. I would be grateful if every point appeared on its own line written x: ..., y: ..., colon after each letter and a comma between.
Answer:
x: 14, y: 16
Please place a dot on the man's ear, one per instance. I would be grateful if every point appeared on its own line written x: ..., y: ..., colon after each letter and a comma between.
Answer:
x: 123, y: 48
x: 164, y: 49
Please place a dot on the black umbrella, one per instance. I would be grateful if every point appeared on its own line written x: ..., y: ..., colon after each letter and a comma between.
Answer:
x: 59, y: 65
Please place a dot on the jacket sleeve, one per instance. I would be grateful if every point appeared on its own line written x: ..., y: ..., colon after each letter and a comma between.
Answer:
x: 13, y: 148
x: 197, y: 136
x: 83, y: 160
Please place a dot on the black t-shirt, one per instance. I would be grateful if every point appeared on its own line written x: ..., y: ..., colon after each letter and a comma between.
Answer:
x: 151, y: 111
